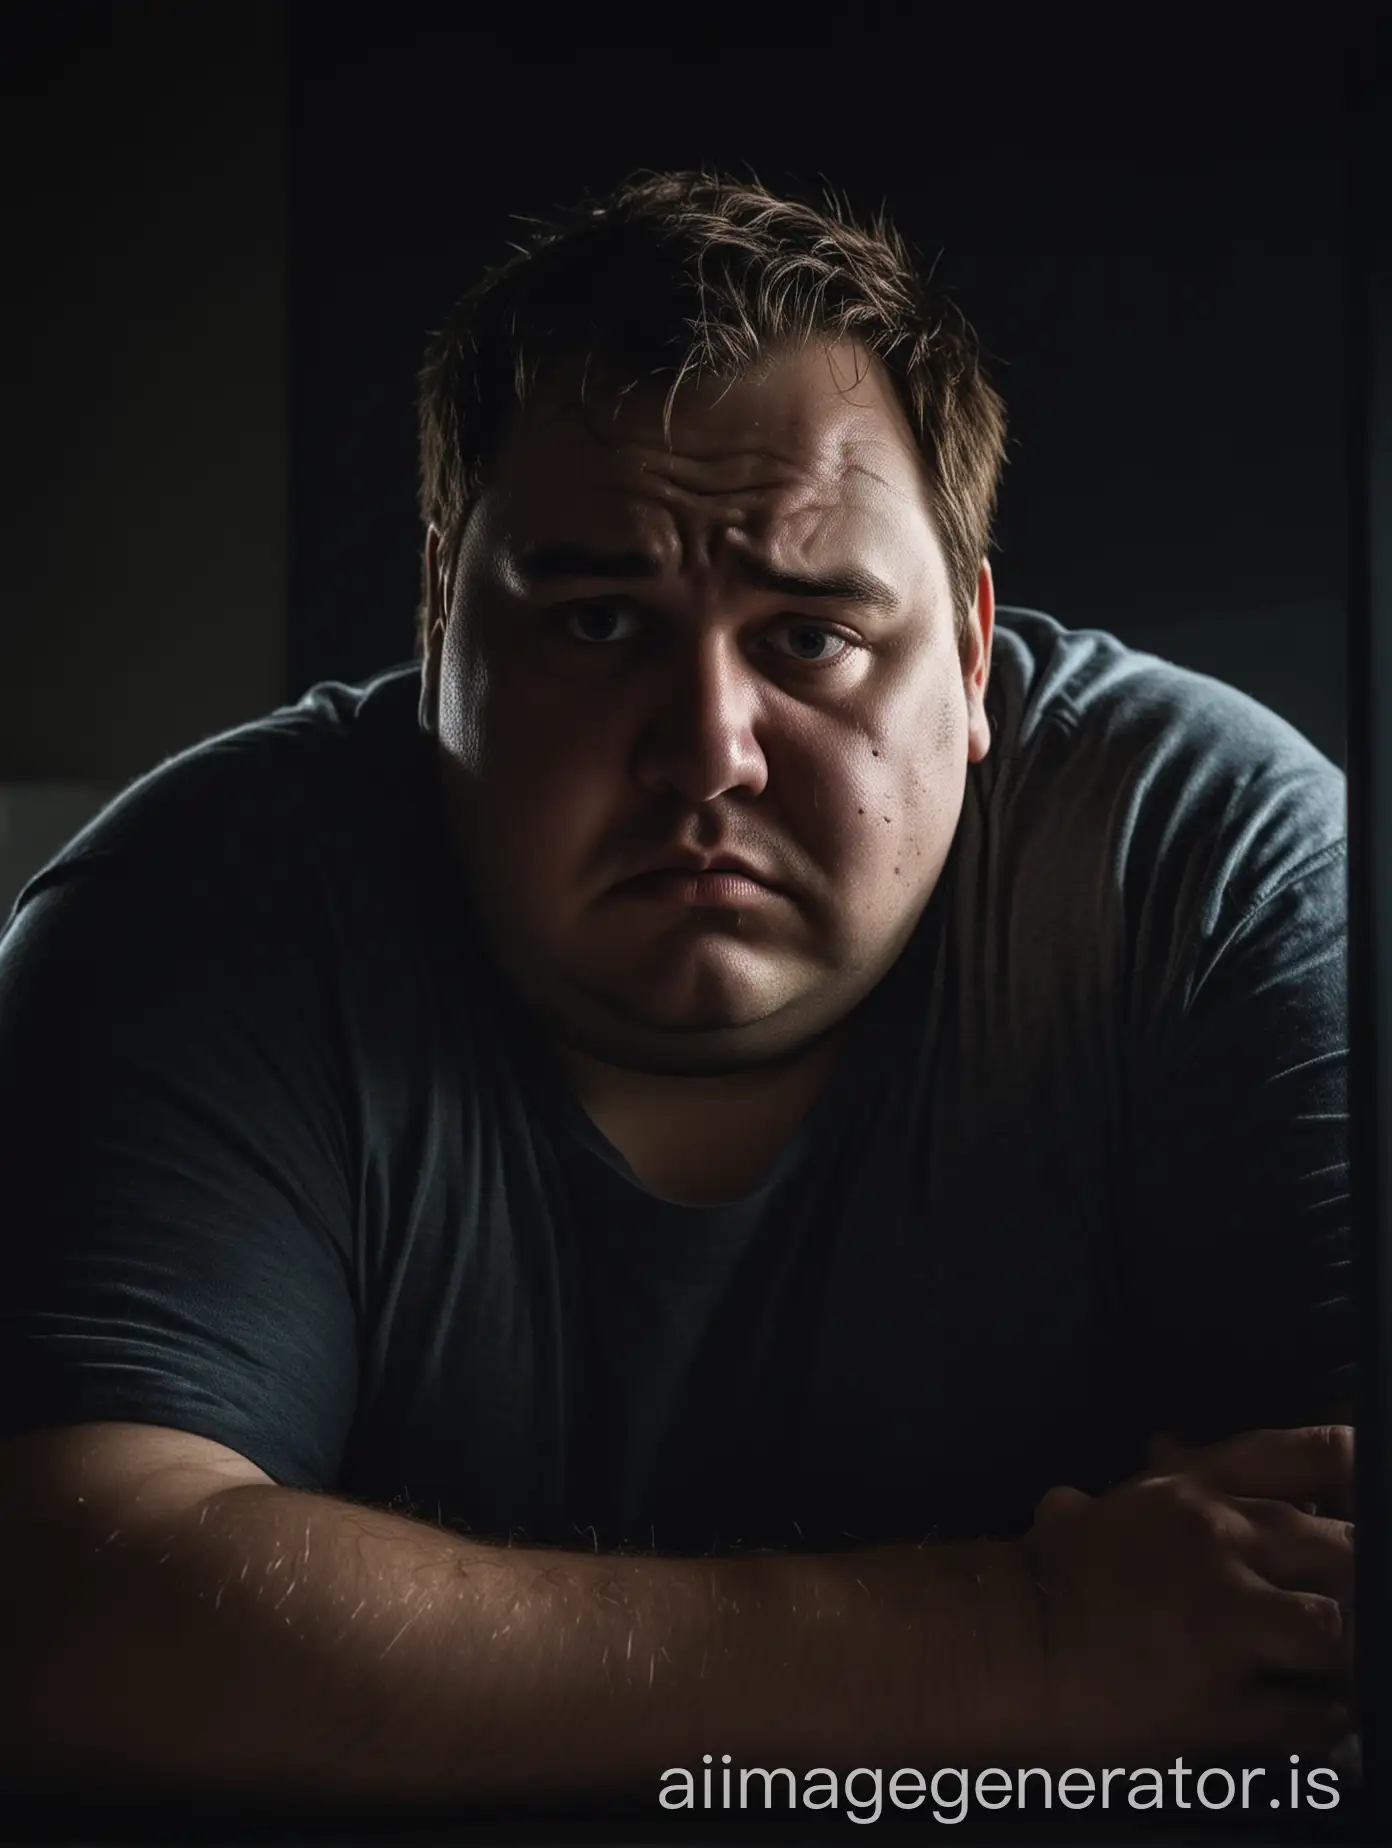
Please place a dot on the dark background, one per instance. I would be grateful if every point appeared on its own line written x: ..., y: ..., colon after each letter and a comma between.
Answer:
x: 229, y: 226
x: 236, y: 223
x: 1150, y: 252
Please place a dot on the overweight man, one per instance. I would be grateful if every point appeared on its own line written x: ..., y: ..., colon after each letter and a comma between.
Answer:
x: 747, y: 1156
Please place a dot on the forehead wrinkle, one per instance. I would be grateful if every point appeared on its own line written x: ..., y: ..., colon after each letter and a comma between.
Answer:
x: 707, y: 476
x: 818, y: 483
x: 801, y: 476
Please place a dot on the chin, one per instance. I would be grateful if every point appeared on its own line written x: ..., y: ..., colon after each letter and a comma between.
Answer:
x: 702, y: 1017
x: 719, y: 994
x: 717, y: 1053
x: 690, y: 1036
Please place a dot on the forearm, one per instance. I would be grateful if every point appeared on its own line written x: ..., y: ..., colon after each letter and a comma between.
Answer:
x: 280, y: 1643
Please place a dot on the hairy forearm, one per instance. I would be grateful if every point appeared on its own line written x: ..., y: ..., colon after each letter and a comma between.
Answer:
x: 276, y: 1643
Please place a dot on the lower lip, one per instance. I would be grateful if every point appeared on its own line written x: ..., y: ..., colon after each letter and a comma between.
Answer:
x: 678, y: 888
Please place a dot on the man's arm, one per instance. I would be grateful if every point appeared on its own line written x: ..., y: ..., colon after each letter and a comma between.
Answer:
x: 187, y: 1623
x: 180, y: 1624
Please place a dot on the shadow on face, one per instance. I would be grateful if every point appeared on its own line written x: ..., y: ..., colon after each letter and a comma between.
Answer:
x: 736, y: 642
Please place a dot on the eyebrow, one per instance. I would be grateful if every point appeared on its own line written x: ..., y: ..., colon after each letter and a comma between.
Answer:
x: 851, y: 584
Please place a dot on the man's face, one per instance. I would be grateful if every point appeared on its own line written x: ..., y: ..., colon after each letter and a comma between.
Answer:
x: 615, y: 678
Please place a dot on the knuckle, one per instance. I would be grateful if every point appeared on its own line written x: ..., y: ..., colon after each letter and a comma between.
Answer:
x: 1284, y: 1521
x: 1324, y: 1617
x: 1195, y: 1513
x: 1336, y: 1537
x: 1336, y: 1439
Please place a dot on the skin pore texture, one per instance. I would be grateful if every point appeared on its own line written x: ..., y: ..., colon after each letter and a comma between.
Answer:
x: 594, y: 712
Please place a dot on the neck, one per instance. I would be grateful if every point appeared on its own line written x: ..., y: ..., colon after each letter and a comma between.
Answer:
x: 702, y: 1138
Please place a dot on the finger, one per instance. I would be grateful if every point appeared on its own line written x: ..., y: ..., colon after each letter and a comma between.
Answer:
x: 1312, y: 1464
x: 1297, y: 1632
x: 1058, y: 1503
x: 1297, y: 1551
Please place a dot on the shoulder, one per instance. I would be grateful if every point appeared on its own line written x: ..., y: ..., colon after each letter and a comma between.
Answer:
x: 264, y: 799
x: 1172, y: 777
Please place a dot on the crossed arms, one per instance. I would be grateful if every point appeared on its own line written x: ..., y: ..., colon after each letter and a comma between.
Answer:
x: 187, y: 1624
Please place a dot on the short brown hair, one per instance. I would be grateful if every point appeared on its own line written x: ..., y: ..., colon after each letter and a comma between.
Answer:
x: 691, y: 274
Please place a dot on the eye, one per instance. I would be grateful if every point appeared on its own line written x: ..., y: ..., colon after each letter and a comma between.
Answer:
x: 581, y: 621
x: 811, y: 636
x: 597, y: 623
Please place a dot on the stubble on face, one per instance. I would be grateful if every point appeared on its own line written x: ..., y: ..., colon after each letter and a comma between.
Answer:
x: 589, y: 719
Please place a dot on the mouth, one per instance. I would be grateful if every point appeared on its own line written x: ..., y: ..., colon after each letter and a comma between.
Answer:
x: 730, y: 886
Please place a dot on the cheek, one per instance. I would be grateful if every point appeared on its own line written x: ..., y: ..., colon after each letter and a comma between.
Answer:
x: 544, y: 786
x: 933, y: 778
x: 466, y: 691
x: 902, y: 801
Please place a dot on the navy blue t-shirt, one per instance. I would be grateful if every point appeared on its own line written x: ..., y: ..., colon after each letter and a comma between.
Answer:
x: 285, y: 1164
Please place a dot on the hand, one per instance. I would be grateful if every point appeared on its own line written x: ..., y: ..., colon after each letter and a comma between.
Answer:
x: 1198, y: 1606
x: 1212, y: 1460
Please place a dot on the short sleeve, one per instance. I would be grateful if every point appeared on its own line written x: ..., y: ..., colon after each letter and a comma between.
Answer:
x: 177, y: 1236
x: 1236, y: 1226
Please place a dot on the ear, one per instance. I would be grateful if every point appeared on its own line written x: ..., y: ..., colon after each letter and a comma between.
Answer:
x: 436, y: 588
x: 980, y: 629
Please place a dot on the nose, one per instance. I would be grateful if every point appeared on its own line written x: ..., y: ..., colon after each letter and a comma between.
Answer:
x: 699, y: 741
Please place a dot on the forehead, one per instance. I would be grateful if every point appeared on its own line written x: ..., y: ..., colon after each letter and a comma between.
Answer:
x: 816, y: 449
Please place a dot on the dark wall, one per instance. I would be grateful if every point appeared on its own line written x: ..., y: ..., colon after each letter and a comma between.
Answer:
x: 1150, y: 252
x: 142, y: 373
x: 1151, y: 255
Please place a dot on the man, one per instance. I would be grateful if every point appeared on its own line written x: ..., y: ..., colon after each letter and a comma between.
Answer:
x: 746, y: 1158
